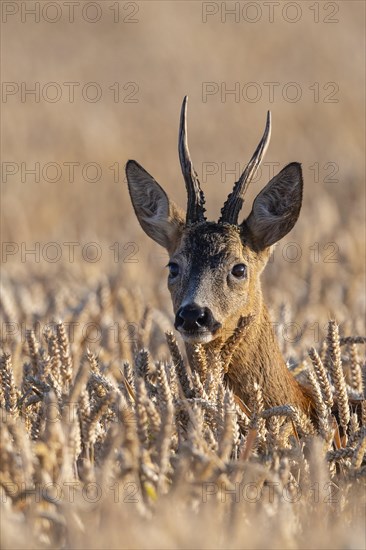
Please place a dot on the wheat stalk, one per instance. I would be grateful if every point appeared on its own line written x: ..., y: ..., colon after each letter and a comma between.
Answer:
x: 233, y: 342
x: 33, y: 350
x: 9, y: 389
x: 322, y: 410
x: 355, y: 369
x: 226, y: 438
x: 322, y: 377
x: 334, y: 363
x: 66, y: 361
x: 199, y: 361
x: 178, y: 363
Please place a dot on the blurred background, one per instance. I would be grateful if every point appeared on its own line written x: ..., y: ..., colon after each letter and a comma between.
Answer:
x: 87, y: 86
x: 108, y: 79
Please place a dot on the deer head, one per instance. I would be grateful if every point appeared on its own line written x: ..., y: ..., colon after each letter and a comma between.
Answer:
x: 214, y: 267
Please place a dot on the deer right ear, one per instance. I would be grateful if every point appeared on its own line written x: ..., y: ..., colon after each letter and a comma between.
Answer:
x: 159, y: 217
x: 276, y: 208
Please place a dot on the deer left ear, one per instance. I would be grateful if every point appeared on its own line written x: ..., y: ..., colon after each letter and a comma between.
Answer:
x: 276, y: 208
x: 159, y: 217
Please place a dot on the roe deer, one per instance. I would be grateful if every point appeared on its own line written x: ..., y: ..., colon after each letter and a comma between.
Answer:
x: 215, y: 267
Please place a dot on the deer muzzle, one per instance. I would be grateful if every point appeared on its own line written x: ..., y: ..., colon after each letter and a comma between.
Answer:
x: 196, y: 324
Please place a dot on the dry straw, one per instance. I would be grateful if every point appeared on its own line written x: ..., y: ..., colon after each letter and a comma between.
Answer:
x: 168, y: 434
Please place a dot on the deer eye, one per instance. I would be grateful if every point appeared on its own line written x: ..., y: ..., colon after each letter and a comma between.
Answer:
x: 239, y: 271
x: 173, y: 269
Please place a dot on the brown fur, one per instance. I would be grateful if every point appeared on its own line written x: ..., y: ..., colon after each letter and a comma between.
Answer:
x: 258, y: 357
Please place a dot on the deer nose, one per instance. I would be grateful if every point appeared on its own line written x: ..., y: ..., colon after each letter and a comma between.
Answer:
x: 193, y: 317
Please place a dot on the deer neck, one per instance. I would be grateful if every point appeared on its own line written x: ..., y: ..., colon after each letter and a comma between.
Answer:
x: 258, y: 359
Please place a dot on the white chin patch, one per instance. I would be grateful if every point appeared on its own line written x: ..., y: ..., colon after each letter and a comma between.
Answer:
x: 196, y: 339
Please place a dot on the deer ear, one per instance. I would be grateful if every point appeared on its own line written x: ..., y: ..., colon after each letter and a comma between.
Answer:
x: 276, y: 208
x: 159, y: 217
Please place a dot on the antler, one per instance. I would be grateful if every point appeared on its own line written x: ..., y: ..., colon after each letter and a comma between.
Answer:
x: 230, y: 210
x: 196, y: 198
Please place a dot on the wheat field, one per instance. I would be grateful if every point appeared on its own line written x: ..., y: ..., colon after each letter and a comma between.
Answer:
x: 108, y: 438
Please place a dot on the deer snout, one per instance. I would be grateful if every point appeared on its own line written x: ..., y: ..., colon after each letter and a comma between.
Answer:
x: 193, y: 318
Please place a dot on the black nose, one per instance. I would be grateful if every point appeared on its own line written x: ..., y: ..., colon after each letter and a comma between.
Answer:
x: 193, y: 317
